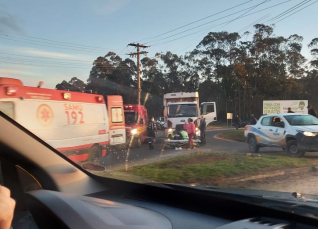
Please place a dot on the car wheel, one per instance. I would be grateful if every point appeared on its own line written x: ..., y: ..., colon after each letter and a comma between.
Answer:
x: 254, y: 148
x: 292, y: 149
x: 95, y: 154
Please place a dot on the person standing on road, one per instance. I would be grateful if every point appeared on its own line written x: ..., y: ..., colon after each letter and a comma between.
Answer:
x: 151, y: 130
x: 190, y: 128
x: 289, y: 110
x: 202, y: 130
x: 237, y: 122
x: 311, y: 111
x: 253, y: 120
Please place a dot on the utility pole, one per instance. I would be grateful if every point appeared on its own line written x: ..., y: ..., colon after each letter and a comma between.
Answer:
x: 138, y: 64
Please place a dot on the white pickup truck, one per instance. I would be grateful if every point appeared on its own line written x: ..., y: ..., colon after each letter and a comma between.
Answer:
x: 295, y: 133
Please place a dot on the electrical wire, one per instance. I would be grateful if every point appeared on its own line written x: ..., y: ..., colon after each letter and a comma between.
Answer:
x: 49, y: 41
x: 296, y: 12
x: 56, y: 64
x: 289, y: 10
x: 247, y: 11
x: 220, y: 24
x: 189, y: 45
x: 193, y: 22
x: 254, y: 23
x: 52, y: 45
x: 229, y: 15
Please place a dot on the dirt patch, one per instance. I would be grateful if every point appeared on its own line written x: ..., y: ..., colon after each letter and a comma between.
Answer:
x: 302, y: 180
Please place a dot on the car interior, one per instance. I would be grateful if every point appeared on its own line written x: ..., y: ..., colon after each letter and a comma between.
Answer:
x: 53, y: 192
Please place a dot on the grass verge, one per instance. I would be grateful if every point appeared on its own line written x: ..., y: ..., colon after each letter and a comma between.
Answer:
x: 236, y: 135
x: 213, y: 168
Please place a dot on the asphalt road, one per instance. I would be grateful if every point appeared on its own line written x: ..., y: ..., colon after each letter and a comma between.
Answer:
x: 142, y: 155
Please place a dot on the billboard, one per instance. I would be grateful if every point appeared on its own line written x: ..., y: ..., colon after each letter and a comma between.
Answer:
x: 281, y: 106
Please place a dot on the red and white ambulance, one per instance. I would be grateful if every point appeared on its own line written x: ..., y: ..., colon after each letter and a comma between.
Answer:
x: 136, y: 120
x: 79, y: 125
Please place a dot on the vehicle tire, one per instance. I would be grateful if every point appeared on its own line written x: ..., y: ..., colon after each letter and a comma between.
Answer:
x: 94, y: 154
x: 292, y: 149
x: 138, y: 143
x: 254, y: 148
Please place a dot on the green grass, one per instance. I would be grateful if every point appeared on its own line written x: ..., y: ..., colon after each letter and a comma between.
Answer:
x: 211, y: 168
x: 237, y: 135
x: 217, y: 124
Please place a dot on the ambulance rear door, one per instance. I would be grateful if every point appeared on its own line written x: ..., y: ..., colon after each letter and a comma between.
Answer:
x: 117, y: 128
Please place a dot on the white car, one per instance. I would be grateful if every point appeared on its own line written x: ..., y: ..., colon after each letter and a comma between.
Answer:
x: 295, y: 133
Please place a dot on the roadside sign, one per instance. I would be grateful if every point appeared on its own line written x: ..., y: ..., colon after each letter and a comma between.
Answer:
x: 229, y: 115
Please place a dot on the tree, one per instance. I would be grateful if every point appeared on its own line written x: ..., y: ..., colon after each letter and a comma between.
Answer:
x: 74, y: 84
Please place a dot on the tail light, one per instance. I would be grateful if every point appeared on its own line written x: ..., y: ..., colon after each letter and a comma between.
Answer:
x: 11, y: 90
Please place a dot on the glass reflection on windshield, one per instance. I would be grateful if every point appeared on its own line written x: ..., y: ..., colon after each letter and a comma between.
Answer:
x: 301, y: 120
x: 182, y: 110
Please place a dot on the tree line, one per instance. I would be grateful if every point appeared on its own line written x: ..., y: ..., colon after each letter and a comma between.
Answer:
x: 236, y: 71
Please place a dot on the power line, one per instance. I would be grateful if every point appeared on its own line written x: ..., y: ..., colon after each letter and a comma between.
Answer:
x: 229, y: 15
x: 255, y: 22
x: 290, y: 9
x: 11, y: 54
x: 193, y: 28
x: 219, y: 24
x: 254, y: 7
x: 194, y: 22
x: 53, y: 45
x: 11, y: 60
x: 189, y: 45
x: 56, y: 42
x: 297, y: 11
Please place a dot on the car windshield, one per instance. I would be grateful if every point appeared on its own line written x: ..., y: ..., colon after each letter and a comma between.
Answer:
x: 182, y: 110
x: 301, y: 120
x: 131, y: 117
x: 68, y: 70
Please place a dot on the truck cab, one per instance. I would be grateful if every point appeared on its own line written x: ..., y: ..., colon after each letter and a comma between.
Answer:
x: 180, y: 106
x: 136, y: 120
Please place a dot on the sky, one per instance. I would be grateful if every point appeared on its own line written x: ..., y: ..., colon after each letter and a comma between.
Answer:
x: 56, y: 40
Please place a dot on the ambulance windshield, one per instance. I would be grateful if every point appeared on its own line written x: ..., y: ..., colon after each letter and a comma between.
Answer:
x: 131, y: 117
x: 182, y: 110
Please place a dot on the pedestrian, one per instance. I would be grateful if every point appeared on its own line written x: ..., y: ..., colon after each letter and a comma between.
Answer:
x: 311, y: 111
x: 190, y: 128
x: 202, y: 130
x: 151, y: 131
x: 289, y: 110
x: 253, y: 120
x: 237, y: 122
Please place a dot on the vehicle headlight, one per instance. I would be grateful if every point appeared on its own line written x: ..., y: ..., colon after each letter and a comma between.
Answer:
x: 133, y: 131
x: 196, y: 128
x: 169, y: 130
x: 309, y: 134
x: 197, y: 133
